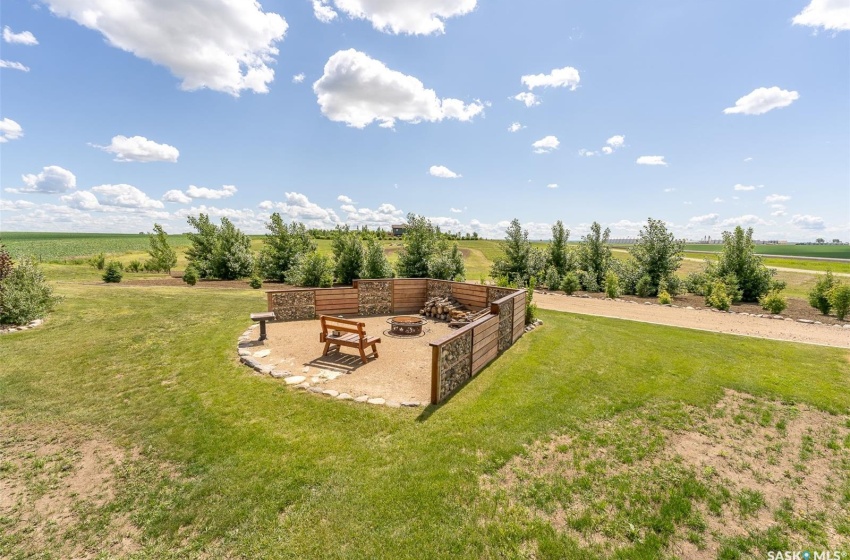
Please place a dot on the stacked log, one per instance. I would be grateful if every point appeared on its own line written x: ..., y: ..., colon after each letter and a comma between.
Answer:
x: 449, y: 309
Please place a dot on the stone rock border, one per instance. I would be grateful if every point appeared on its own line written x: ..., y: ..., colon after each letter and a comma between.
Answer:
x: 713, y: 310
x: 18, y: 328
x: 303, y: 380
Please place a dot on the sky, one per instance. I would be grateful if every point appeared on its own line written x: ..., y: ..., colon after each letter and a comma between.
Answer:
x: 118, y: 115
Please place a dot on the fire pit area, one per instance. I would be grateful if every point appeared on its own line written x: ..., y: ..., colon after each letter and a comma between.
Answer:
x: 406, y: 325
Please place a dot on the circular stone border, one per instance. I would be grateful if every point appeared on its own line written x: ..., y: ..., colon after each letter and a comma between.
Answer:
x: 301, y: 381
x: 18, y: 328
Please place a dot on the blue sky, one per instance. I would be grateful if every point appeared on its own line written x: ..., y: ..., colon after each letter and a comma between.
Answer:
x: 114, y: 116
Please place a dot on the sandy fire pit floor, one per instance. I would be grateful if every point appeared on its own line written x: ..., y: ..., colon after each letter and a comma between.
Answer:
x: 402, y: 371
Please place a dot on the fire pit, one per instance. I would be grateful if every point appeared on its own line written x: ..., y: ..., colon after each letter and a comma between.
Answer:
x: 406, y: 325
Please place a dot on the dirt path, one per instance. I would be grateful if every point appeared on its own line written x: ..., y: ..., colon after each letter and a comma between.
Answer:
x: 699, y: 319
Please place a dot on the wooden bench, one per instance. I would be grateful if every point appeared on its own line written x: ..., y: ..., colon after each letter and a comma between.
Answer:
x: 350, y: 333
x: 262, y: 318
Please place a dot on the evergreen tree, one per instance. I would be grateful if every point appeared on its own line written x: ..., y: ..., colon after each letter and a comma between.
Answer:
x: 163, y: 257
x: 559, y: 252
x: 348, y: 254
x: 594, y: 254
x: 418, y: 246
x: 281, y: 246
x: 514, y: 266
x: 202, y: 246
x: 375, y: 263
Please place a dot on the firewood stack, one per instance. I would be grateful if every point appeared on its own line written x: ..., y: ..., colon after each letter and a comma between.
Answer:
x: 448, y: 309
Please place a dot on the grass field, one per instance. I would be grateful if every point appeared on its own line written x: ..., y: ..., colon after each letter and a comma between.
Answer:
x: 824, y: 251
x: 139, y: 389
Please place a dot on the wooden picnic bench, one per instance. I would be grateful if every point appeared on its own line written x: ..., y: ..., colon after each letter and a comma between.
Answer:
x: 342, y: 332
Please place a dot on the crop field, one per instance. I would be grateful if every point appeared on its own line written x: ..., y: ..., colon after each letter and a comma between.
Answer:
x: 823, y: 251
x: 58, y: 247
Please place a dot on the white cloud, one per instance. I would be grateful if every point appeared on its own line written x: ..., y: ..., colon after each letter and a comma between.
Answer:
x: 607, y: 150
x: 384, y: 216
x: 560, y: 77
x: 761, y: 100
x: 779, y: 213
x: 139, y: 148
x: 222, y: 45
x: 176, y: 196
x: 443, y: 172
x: 617, y: 141
x: 13, y: 65
x: 651, y: 160
x: 587, y: 153
x: 745, y: 220
x: 740, y: 187
x: 706, y: 220
x: 831, y: 15
x: 52, y: 179
x: 552, y: 186
x: 748, y: 159
x: 546, y: 145
x: 774, y: 198
x: 323, y: 11
x: 455, y: 210
x: 14, y: 205
x: 413, y: 17
x: 126, y: 196
x: 808, y: 222
x: 528, y: 98
x: 298, y: 78
x: 22, y: 38
x: 671, y: 189
x: 515, y: 127
x: 298, y: 207
x: 81, y: 200
x: 344, y: 199
x: 10, y: 130
x: 358, y: 90
x: 718, y: 199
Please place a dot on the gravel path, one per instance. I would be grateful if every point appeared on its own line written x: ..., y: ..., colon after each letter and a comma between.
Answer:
x: 700, y: 319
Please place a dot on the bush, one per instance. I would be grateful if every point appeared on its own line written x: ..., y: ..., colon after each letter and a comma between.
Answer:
x: 658, y: 253
x: 447, y: 264
x: 114, y: 272
x: 375, y: 264
x: 612, y: 285
x: 718, y: 296
x: 696, y: 283
x: 819, y: 296
x: 570, y: 283
x: 347, y: 250
x: 311, y: 270
x: 588, y: 281
x: 190, y: 275
x: 530, y: 306
x: 839, y: 298
x: 162, y: 255
x: 644, y: 286
x: 594, y: 254
x: 6, y: 263
x: 418, y: 247
x: 552, y: 279
x: 673, y: 285
x: 98, y: 261
x: 281, y: 246
x: 256, y: 282
x: 134, y: 266
x: 773, y: 302
x: 219, y: 252
x: 739, y: 258
x: 25, y: 295
x: 664, y: 297
x: 558, y: 254
x: 629, y: 273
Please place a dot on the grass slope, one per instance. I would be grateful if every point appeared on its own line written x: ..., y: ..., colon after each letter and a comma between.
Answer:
x: 259, y: 471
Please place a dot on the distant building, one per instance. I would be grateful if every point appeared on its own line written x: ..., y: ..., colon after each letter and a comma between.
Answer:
x: 398, y: 230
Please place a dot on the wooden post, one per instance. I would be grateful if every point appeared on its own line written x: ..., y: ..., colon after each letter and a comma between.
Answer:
x: 435, y: 374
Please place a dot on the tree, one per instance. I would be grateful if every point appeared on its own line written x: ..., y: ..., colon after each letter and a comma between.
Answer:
x: 348, y: 254
x: 447, y: 263
x: 281, y: 246
x: 820, y: 240
x: 594, y: 254
x: 559, y: 252
x: 232, y: 258
x: 517, y: 249
x: 312, y: 270
x: 163, y: 257
x: 375, y: 262
x: 658, y: 254
x: 418, y: 246
x: 25, y: 295
x: 738, y: 257
x: 6, y: 262
x: 819, y: 294
x: 202, y: 245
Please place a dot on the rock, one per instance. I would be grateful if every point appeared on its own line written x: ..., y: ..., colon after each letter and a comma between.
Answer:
x: 847, y: 326
x: 393, y: 404
x: 329, y: 375
x: 362, y: 398
x: 377, y: 400
x: 244, y: 352
x: 265, y: 370
x: 778, y: 317
x: 689, y: 307
x: 808, y: 321
x: 344, y: 397
x: 790, y: 319
x: 647, y: 303
x: 253, y: 364
x: 295, y: 379
x: 306, y: 369
x: 252, y: 327
x: 303, y: 386
x: 279, y: 373
x: 411, y: 404
x: 315, y: 379
x: 330, y: 393
x: 262, y: 353
x: 818, y: 323
x: 317, y: 390
x: 35, y: 323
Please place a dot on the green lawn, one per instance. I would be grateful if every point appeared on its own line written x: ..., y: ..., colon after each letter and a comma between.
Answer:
x: 824, y: 251
x: 230, y: 464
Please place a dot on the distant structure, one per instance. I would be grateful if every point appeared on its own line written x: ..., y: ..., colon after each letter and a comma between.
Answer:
x: 398, y: 230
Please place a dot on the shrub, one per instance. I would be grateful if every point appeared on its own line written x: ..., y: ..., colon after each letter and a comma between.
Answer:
x: 558, y: 254
x: 25, y: 295
x: 98, y: 261
x: 348, y: 254
x: 696, y: 283
x: 588, y: 281
x: 515, y: 265
x: 718, y: 296
x: 281, y: 246
x: 530, y: 306
x: 255, y: 282
x: 447, y: 264
x: 629, y: 273
x: 114, y: 272
x: 673, y: 285
x: 418, y: 247
x: 664, y: 297
x: 312, y: 270
x: 190, y: 275
x: 570, y: 283
x: 819, y: 295
x: 232, y: 258
x: 644, y: 286
x: 657, y: 252
x: 839, y: 297
x: 594, y: 254
x: 612, y: 285
x: 164, y: 257
x: 375, y: 263
x: 134, y: 266
x: 552, y: 279
x: 6, y: 263
x: 773, y: 302
x: 739, y: 258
